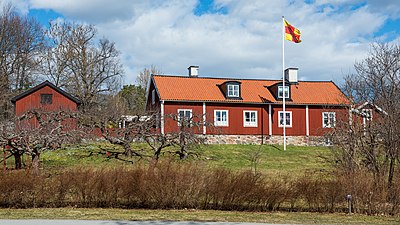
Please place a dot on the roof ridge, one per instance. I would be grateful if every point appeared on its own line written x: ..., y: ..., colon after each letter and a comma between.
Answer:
x: 230, y: 78
x: 41, y: 85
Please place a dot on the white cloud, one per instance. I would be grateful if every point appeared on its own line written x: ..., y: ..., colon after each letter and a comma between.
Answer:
x: 96, y: 11
x: 245, y: 43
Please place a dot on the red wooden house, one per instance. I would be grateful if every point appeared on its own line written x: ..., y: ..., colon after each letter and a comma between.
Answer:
x: 247, y: 110
x: 45, y: 97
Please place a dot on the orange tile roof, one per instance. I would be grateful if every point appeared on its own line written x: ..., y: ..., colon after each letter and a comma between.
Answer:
x: 180, y: 88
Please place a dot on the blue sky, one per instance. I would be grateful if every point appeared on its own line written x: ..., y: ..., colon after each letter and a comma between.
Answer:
x: 232, y: 38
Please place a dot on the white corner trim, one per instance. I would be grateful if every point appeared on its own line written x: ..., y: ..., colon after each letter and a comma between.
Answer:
x: 307, y: 122
x: 162, y: 116
x: 204, y: 118
x: 270, y: 119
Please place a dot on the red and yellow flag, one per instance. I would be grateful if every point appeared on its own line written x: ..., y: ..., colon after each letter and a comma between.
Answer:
x: 291, y: 33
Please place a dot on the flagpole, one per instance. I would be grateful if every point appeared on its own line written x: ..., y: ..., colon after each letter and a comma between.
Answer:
x: 283, y: 83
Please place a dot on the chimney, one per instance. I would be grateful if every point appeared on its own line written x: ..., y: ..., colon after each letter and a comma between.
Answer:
x: 291, y: 75
x: 193, y: 71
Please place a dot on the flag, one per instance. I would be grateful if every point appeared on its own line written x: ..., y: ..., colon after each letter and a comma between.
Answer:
x: 291, y: 33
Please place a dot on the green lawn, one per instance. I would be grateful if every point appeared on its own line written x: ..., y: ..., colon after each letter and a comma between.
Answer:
x: 268, y: 159
x: 271, y: 159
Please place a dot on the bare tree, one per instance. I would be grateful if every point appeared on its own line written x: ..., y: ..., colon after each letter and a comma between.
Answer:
x: 376, y: 145
x: 36, y: 131
x: 113, y: 125
x: 144, y: 76
x: 189, y: 134
x: 82, y: 64
x: 186, y: 138
x: 21, y: 43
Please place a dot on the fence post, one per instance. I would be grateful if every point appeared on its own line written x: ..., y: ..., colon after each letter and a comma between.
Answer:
x: 349, y: 202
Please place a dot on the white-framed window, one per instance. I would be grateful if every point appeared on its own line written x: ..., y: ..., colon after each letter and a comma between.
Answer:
x: 287, y: 118
x: 184, y: 115
x: 328, y: 119
x: 280, y: 91
x: 221, y: 118
x: 250, y: 118
x: 153, y: 96
x: 233, y: 90
x: 367, y: 114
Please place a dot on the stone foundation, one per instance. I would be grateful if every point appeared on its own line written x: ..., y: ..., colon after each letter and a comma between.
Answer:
x: 256, y: 139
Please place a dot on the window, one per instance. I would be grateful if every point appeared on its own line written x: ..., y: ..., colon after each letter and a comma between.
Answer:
x: 250, y: 118
x: 280, y: 91
x: 328, y: 119
x: 287, y: 118
x: 184, y: 116
x: 46, y: 99
x: 221, y: 118
x: 367, y: 114
x: 153, y: 97
x: 233, y: 90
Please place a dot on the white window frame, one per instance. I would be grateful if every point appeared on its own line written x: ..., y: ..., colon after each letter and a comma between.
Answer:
x: 233, y: 90
x: 280, y: 91
x: 250, y: 123
x: 184, y: 113
x: 329, y: 116
x: 279, y: 118
x: 153, y: 96
x: 367, y: 112
x: 221, y: 123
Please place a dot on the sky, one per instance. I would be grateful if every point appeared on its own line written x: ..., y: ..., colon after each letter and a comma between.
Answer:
x: 232, y: 38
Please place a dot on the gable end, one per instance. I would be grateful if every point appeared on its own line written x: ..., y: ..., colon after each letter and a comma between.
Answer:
x: 40, y: 86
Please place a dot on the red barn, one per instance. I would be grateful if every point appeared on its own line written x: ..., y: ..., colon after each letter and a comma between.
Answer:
x: 249, y: 110
x: 45, y: 96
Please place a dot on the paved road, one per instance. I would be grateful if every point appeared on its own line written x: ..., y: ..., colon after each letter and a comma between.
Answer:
x: 103, y: 222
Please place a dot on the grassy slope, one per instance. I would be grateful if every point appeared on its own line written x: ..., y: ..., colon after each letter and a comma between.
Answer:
x: 271, y: 159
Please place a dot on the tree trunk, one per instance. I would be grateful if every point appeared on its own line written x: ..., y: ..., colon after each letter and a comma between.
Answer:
x: 128, y: 150
x: 18, y: 160
x: 35, y: 163
x: 157, y: 154
x: 391, y: 172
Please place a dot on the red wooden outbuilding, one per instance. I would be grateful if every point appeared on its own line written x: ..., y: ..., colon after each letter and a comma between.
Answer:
x: 45, y: 97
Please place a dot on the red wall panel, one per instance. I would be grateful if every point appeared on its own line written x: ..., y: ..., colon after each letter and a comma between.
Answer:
x: 298, y: 120
x: 235, y: 117
x: 171, y: 109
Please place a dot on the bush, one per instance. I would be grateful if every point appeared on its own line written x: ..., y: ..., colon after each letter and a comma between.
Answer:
x: 170, y: 185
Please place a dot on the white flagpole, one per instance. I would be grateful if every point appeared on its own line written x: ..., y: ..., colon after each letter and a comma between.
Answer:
x: 283, y: 83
